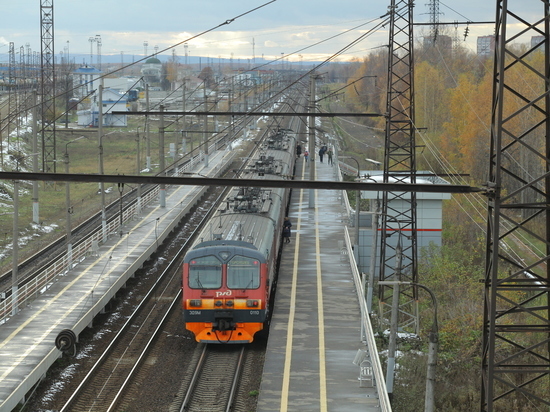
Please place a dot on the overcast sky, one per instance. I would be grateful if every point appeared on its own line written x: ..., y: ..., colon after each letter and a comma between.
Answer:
x: 284, y: 26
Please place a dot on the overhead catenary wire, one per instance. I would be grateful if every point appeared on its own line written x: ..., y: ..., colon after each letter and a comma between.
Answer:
x: 226, y: 22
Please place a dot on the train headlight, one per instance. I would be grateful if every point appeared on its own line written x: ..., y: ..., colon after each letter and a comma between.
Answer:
x: 218, y: 303
x: 252, y: 303
x: 229, y: 303
x: 196, y: 303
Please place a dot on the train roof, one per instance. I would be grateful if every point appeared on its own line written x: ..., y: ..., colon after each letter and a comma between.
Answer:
x: 219, y: 242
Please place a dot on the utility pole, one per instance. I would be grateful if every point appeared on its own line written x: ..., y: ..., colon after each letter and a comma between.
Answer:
x: 98, y: 41
x: 161, y: 157
x: 147, y: 130
x: 311, y: 140
x: 138, y: 172
x: 516, y: 321
x: 47, y: 54
x: 398, y: 256
x: 101, y: 171
x: 35, y: 204
x: 205, y: 132
x: 15, y: 256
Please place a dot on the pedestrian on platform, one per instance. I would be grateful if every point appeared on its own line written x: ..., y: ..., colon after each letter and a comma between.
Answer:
x: 306, y: 155
x: 329, y: 155
x: 321, y: 154
x: 286, y: 230
x: 298, y: 150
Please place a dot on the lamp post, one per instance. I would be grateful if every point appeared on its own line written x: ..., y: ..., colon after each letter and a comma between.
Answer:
x: 429, y: 403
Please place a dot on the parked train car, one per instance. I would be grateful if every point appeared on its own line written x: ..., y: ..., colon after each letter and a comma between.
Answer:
x: 228, y: 274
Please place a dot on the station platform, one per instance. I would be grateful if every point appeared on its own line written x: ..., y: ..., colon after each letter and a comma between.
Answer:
x: 74, y: 298
x: 315, y: 332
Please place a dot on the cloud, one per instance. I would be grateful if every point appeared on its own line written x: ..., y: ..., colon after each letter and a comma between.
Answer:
x: 304, y: 36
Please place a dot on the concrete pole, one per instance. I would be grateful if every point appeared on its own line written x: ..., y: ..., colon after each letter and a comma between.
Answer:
x: 184, y: 104
x: 161, y: 157
x: 35, y: 204
x: 147, y: 129
x: 429, y: 400
x: 68, y: 213
x: 216, y: 126
x: 138, y: 172
x: 374, y: 252
x: 311, y: 133
x: 205, y: 132
x: 390, y: 372
x: 14, y: 272
x: 101, y: 170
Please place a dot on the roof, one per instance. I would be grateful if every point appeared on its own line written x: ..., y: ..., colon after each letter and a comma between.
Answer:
x: 153, y: 60
x: 87, y: 70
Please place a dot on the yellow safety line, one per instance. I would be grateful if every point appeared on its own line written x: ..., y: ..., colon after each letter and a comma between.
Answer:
x: 84, y: 296
x: 292, y: 308
x: 321, y: 316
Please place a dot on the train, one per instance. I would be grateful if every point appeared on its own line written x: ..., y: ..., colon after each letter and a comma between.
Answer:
x: 228, y: 274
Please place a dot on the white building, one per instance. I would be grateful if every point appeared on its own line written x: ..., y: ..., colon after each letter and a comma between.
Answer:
x: 152, y: 70
x: 429, y: 216
x: 112, y: 101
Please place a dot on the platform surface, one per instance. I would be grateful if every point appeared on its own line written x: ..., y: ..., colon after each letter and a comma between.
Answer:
x: 315, y: 329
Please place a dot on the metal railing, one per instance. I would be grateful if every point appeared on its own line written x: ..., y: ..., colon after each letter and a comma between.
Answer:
x: 40, y: 284
x: 379, y: 378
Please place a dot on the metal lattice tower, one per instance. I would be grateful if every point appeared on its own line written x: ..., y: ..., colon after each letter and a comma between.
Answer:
x: 12, y: 66
x: 12, y: 92
x: 398, y: 244
x: 516, y: 326
x: 433, y: 7
x: 47, y: 86
x: 98, y: 41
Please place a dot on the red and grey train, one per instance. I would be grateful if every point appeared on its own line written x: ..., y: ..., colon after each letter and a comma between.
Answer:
x: 228, y: 273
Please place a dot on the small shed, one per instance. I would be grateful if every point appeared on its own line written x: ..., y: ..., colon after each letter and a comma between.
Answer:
x: 429, y: 214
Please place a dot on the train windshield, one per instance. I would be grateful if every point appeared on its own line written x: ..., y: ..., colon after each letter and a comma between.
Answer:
x: 205, y: 273
x: 243, y: 273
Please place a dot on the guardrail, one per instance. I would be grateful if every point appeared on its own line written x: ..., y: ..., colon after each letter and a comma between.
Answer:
x: 379, y: 378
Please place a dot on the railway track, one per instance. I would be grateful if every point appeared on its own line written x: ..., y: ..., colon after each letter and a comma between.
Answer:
x: 214, y: 383
x: 104, y: 386
x: 120, y: 376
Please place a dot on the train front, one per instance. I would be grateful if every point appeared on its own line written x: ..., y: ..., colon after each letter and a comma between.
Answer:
x: 225, y: 291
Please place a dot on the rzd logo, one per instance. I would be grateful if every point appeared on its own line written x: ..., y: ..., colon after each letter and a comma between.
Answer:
x: 220, y: 294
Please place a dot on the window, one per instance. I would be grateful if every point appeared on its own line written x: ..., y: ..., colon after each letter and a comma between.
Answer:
x: 205, y: 273
x: 243, y: 273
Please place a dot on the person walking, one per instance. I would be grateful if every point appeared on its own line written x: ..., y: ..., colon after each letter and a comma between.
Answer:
x: 329, y: 155
x: 321, y: 154
x: 306, y: 155
x: 286, y: 230
x: 298, y: 150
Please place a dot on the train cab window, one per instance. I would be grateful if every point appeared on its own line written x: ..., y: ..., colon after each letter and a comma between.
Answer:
x: 243, y: 273
x: 205, y: 273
